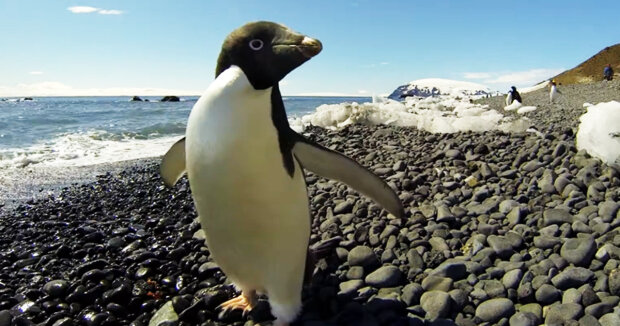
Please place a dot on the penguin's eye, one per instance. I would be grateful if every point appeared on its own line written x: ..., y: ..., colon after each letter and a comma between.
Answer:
x: 256, y: 44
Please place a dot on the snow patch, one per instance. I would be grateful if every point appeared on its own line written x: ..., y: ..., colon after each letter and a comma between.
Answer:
x: 599, y: 131
x: 440, y: 114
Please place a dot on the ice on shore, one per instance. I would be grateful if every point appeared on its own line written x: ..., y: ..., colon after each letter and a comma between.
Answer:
x: 439, y: 114
x: 599, y: 131
x: 516, y: 105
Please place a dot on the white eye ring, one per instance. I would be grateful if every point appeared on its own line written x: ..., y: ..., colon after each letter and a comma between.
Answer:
x: 256, y: 44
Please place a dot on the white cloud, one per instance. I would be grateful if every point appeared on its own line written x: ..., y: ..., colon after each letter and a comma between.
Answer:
x: 476, y: 75
x: 501, y: 80
x: 82, y: 9
x: 362, y: 91
x: 110, y: 12
x: 36, y: 72
x: 54, y: 88
x: 384, y: 63
x: 531, y: 77
x: 90, y: 10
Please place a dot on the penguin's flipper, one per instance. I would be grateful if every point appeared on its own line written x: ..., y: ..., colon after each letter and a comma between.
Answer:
x: 333, y: 165
x: 173, y: 164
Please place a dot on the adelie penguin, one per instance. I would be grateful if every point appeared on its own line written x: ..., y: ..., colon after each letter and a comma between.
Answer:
x: 246, y: 169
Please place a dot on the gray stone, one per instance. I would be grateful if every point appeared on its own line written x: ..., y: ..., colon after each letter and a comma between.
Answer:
x: 556, y: 216
x: 355, y: 273
x: 437, y: 283
x: 599, y: 309
x: 501, y: 246
x: 547, y: 294
x: 444, y: 214
x: 385, y: 276
x: 533, y: 308
x: 411, y: 294
x: 350, y: 287
x: 610, y: 319
x: 414, y: 259
x: 455, y: 270
x: 362, y: 256
x: 614, y: 281
x: 607, y: 210
x: 495, y: 309
x: 571, y: 296
x: 561, y: 313
x: 436, y: 304
x: 343, y: 208
x: 438, y: 244
x: 512, y: 278
x: 545, y: 241
x: 588, y: 320
x: 579, y: 251
x: 524, y: 319
x: 572, y: 277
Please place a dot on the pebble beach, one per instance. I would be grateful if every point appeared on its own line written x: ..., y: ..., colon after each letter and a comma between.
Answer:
x: 500, y: 229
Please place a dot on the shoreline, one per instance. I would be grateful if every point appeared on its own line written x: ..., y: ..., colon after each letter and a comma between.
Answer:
x: 28, y: 184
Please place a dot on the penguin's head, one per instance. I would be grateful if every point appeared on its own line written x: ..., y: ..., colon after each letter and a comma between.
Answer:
x: 266, y: 52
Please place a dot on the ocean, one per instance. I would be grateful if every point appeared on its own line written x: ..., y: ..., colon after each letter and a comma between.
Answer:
x: 80, y: 131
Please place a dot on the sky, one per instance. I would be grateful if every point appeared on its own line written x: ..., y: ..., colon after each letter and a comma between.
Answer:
x: 131, y: 47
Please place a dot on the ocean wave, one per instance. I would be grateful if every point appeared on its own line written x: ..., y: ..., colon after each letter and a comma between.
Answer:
x: 86, y: 148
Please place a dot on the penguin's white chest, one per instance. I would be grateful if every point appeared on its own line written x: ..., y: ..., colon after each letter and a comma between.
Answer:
x: 255, y: 215
x: 553, y: 93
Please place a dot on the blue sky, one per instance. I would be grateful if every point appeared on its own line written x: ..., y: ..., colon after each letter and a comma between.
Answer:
x: 50, y: 47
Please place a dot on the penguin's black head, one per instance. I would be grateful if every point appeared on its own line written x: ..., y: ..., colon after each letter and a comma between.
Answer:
x: 266, y: 52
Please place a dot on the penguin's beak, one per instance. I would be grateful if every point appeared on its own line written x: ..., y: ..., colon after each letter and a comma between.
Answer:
x: 307, y: 46
x: 310, y: 47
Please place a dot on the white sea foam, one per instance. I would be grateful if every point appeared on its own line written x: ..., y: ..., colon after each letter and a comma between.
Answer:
x: 599, y: 131
x: 81, y: 149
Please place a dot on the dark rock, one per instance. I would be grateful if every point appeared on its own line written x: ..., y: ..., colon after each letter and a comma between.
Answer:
x: 170, y: 98
x: 436, y: 304
x: 386, y: 276
x: 562, y: 313
x: 578, y: 251
x: 495, y: 309
x: 362, y: 256
x: 572, y: 277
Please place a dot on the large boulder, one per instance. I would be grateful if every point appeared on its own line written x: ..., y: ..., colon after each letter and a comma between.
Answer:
x: 170, y: 98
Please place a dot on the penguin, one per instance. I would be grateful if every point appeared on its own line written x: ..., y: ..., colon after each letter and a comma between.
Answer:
x: 245, y: 167
x: 554, y: 92
x: 509, y: 98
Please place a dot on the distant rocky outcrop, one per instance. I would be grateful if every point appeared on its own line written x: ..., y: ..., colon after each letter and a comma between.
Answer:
x: 591, y: 70
x: 170, y: 98
x: 136, y: 99
x: 437, y: 86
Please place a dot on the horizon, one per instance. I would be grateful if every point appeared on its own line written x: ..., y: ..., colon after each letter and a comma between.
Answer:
x: 112, y: 48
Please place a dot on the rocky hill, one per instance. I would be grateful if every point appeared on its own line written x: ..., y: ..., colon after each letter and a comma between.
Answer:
x: 592, y: 69
x: 437, y: 86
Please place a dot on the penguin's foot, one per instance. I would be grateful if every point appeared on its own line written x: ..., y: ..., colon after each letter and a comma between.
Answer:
x: 245, y: 301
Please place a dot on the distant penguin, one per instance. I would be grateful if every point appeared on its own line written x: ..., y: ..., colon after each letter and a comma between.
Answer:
x: 245, y: 169
x: 509, y: 98
x: 554, y: 92
x: 513, y: 95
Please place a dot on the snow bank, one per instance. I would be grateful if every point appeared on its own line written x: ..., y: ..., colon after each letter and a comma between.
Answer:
x: 440, y: 114
x: 599, y: 131
x: 534, y: 88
